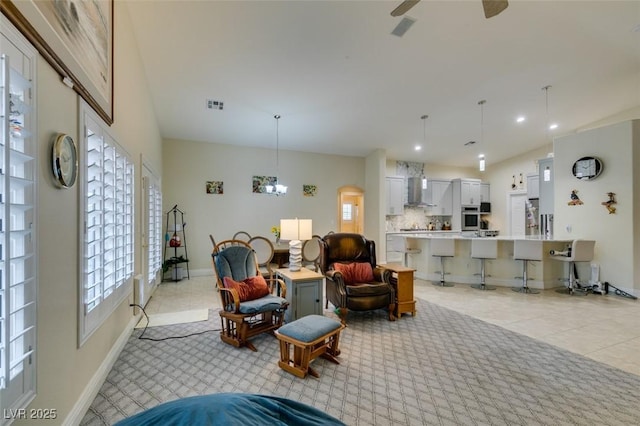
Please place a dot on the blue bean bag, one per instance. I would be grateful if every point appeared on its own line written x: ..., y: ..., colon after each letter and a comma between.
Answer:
x: 231, y: 409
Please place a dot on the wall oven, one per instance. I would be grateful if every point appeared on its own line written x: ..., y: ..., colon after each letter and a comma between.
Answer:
x: 470, y: 218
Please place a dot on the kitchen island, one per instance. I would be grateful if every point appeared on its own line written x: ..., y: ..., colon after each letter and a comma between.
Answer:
x: 501, y: 271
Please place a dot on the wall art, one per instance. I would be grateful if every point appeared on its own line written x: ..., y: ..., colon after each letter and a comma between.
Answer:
x: 215, y: 187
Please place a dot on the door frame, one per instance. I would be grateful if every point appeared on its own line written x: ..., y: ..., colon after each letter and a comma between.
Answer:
x: 353, y: 191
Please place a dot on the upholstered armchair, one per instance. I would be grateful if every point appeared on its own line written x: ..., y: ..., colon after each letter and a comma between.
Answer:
x: 353, y: 280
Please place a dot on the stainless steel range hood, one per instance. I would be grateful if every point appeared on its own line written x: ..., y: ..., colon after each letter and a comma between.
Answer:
x: 417, y: 192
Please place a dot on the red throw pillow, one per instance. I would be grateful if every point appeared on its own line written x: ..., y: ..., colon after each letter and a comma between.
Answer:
x: 356, y: 272
x: 248, y: 289
x: 362, y: 272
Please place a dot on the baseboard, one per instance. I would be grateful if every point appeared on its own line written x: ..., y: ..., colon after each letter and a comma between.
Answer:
x: 90, y: 392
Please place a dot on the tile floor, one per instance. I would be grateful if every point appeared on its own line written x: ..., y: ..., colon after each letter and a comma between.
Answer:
x: 605, y: 328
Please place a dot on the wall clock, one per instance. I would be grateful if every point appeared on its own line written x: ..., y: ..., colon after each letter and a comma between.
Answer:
x: 587, y: 168
x: 65, y: 160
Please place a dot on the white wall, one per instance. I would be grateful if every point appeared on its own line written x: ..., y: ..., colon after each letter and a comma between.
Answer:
x: 188, y: 165
x: 616, y: 234
x: 63, y: 369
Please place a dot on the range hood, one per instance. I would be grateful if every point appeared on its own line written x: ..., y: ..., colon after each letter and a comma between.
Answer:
x: 417, y: 192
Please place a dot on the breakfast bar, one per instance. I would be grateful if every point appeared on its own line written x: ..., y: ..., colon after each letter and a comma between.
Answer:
x: 501, y: 271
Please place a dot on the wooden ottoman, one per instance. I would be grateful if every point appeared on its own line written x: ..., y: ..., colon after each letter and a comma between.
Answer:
x: 311, y: 336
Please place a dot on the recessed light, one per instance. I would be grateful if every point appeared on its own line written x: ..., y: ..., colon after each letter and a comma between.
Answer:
x: 520, y: 119
x: 553, y: 126
x: 417, y: 148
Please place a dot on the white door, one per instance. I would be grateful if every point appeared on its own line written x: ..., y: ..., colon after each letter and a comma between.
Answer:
x: 517, y: 213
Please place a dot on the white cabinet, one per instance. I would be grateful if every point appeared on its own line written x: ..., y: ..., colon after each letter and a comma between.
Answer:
x: 395, y: 195
x: 533, y: 187
x: 468, y: 190
x: 485, y: 193
x: 545, y: 167
x: 439, y: 198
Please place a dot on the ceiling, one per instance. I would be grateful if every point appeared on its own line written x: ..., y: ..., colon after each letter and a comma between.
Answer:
x: 343, y: 84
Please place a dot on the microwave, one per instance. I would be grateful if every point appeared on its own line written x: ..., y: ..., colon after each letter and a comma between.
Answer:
x: 470, y: 218
x: 485, y: 207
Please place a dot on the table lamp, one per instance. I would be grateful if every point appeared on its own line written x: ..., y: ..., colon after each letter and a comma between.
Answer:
x: 295, y: 230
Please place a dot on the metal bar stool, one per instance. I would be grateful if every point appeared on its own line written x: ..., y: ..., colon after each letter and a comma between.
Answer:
x: 526, y: 250
x: 483, y: 249
x: 442, y: 247
x: 581, y: 251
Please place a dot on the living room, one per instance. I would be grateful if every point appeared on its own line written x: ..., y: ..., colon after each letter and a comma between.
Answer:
x: 184, y: 167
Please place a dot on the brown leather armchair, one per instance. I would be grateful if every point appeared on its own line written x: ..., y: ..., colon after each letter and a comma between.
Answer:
x: 346, y: 249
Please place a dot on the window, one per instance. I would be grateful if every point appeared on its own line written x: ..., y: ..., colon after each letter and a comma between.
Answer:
x: 347, y: 211
x: 18, y: 180
x: 107, y: 256
x: 152, y: 233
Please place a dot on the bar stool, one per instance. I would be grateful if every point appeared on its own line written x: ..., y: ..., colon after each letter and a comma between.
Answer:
x: 483, y: 249
x: 408, y: 251
x: 526, y: 250
x: 443, y: 247
x: 581, y: 251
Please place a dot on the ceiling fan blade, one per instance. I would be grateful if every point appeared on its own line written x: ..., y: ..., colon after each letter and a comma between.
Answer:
x: 493, y: 7
x: 404, y: 7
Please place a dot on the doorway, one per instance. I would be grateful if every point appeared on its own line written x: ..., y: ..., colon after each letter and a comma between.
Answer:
x: 517, y: 212
x: 350, y: 209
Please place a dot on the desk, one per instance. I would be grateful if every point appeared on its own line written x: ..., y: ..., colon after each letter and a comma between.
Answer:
x: 281, y: 253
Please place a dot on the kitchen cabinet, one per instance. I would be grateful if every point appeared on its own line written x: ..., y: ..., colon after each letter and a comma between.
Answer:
x: 439, y: 198
x: 466, y: 192
x: 395, y: 195
x: 485, y: 192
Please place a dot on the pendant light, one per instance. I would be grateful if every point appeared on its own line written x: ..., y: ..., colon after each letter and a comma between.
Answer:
x: 277, y: 189
x: 481, y: 159
x: 424, y: 144
x: 546, y: 173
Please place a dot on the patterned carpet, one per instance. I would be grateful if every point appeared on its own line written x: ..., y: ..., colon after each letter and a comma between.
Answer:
x: 438, y: 368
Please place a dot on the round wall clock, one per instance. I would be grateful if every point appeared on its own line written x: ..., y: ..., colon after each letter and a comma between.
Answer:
x: 587, y: 168
x: 65, y: 160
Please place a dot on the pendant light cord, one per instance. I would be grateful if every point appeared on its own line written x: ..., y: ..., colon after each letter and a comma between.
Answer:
x: 277, y: 117
x: 546, y: 106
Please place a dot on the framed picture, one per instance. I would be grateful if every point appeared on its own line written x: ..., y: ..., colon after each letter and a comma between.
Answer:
x: 76, y: 38
x: 309, y: 190
x: 258, y: 183
x: 215, y: 187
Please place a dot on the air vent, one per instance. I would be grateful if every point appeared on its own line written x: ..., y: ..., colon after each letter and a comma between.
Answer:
x: 211, y: 104
x: 403, y: 26
x: 469, y: 143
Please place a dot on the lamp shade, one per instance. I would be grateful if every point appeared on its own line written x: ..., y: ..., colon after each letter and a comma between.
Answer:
x: 296, y: 229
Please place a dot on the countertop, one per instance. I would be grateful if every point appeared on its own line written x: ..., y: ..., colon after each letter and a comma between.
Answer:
x: 461, y: 235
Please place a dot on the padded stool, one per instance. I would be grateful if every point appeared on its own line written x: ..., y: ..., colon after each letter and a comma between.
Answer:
x: 581, y: 251
x: 483, y: 249
x: 311, y: 336
x: 526, y: 250
x: 443, y: 247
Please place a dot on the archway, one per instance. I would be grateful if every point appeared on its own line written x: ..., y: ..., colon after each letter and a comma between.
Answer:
x: 350, y: 209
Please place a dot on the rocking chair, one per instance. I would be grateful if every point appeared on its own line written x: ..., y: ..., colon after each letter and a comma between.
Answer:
x: 251, y: 304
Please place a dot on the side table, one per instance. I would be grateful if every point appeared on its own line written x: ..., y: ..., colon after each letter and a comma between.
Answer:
x: 402, y: 280
x: 304, y: 292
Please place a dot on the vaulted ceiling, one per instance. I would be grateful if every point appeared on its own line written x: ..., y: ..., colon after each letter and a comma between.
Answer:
x: 343, y: 84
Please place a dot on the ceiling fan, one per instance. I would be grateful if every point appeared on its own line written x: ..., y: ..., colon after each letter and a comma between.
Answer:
x: 491, y: 7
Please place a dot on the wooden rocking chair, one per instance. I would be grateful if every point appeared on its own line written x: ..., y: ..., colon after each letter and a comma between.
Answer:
x: 242, y: 315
